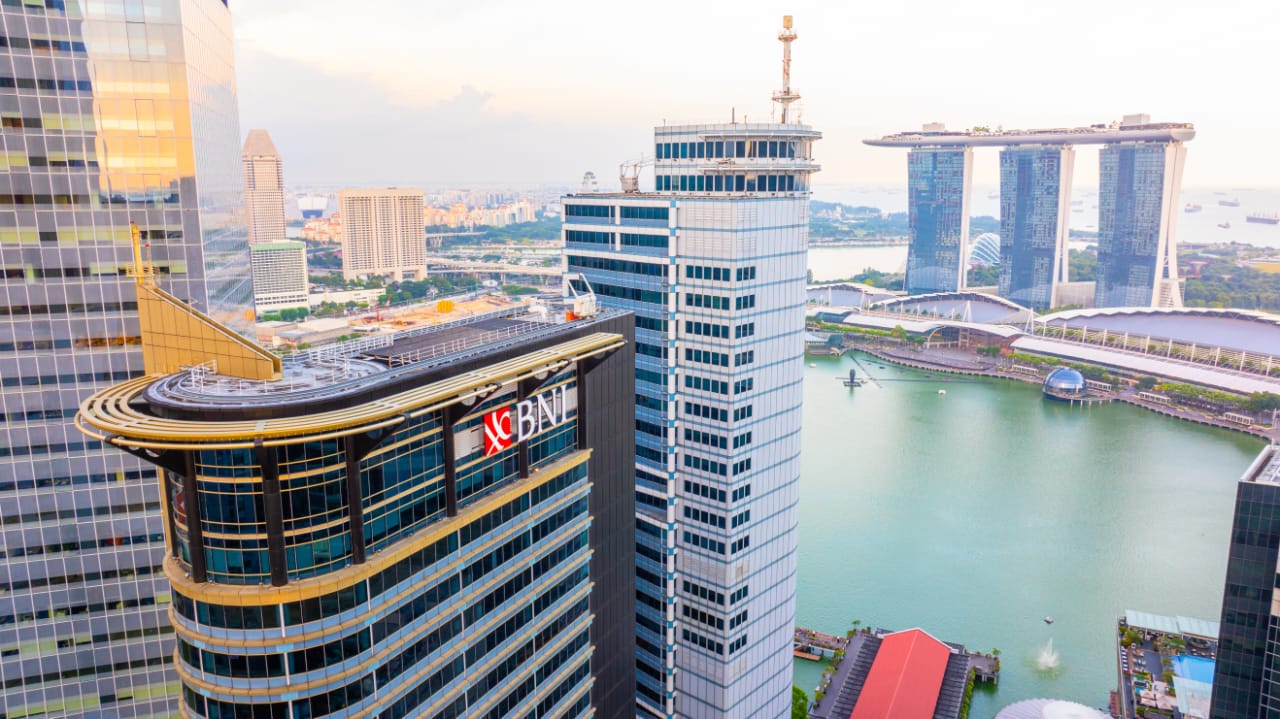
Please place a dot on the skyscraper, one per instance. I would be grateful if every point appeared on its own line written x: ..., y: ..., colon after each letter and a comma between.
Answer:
x: 263, y: 188
x: 440, y: 526
x: 383, y: 234
x: 712, y: 263
x: 113, y: 115
x: 1035, y: 207
x: 279, y: 265
x: 1137, y: 218
x: 938, y: 183
x: 1246, y: 680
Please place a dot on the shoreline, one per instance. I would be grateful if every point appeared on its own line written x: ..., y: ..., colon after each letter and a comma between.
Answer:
x: 925, y: 366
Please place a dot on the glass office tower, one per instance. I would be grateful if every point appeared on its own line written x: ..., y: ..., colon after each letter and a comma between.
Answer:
x: 713, y: 265
x: 938, y: 183
x: 113, y: 113
x: 1035, y: 197
x: 1246, y: 679
x: 435, y: 526
x: 1137, y: 212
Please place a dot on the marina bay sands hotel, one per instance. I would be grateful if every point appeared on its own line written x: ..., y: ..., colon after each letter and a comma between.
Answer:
x: 1141, y: 176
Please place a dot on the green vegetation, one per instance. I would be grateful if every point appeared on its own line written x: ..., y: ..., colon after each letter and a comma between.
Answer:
x: 541, y: 229
x: 519, y: 290
x: 968, y: 694
x: 1223, y: 282
x: 984, y: 276
x: 328, y: 260
x: 799, y: 703
x: 1255, y: 403
x: 410, y: 290
x: 289, y: 314
x: 868, y: 224
x: 1082, y: 266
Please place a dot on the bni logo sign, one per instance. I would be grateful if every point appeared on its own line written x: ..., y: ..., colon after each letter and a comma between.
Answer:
x: 501, y: 429
x: 497, y: 431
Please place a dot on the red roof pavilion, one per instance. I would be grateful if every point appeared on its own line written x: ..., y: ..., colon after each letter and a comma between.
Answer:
x: 905, y: 678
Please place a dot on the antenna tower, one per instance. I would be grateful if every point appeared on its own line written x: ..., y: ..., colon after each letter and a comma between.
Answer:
x: 785, y: 96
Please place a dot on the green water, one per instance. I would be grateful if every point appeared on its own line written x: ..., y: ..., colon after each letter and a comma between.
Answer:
x: 976, y: 513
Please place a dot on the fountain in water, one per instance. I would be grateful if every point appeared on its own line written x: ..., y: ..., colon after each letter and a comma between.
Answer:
x: 1047, y: 659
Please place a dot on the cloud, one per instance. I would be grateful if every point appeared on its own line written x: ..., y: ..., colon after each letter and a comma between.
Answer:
x: 351, y: 130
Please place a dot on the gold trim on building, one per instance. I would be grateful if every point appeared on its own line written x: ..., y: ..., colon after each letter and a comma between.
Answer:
x: 109, y: 417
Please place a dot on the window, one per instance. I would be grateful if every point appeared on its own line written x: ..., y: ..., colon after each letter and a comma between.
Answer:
x: 705, y: 438
x: 588, y: 238
x: 744, y: 330
x: 715, y: 359
x: 701, y: 410
x: 700, y: 641
x: 704, y: 491
x: 737, y: 644
x: 710, y: 519
x: 742, y: 440
x: 702, y: 272
x: 742, y: 413
x: 646, y: 269
x: 743, y: 358
x: 701, y: 542
x: 743, y: 466
x: 742, y: 492
x: 630, y: 239
x: 705, y: 465
x: 744, y: 385
x: 741, y: 544
x: 739, y: 594
x: 648, y: 350
x: 745, y: 302
x: 706, y: 385
x: 714, y: 302
x: 740, y: 519
x: 588, y: 211
x: 746, y: 273
x: 701, y: 592
x: 645, y: 213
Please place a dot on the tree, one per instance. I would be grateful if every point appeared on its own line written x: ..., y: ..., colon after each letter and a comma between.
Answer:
x: 799, y: 703
x: 1146, y: 382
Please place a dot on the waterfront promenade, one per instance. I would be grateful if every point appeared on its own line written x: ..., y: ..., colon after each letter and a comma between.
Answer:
x: 960, y: 362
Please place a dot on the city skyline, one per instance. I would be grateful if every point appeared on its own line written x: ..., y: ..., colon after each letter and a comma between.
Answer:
x: 525, y: 122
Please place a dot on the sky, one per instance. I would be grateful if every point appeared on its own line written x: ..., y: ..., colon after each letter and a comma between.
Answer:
x: 502, y: 93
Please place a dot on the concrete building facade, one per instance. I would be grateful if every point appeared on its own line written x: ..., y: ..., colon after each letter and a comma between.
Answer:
x: 279, y: 276
x: 263, y: 188
x: 383, y: 234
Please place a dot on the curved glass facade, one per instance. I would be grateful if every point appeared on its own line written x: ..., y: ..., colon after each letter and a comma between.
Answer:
x: 1064, y: 380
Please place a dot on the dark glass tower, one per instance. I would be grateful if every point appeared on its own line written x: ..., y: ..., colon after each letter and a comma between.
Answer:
x: 112, y: 113
x: 1245, y: 682
x: 1035, y: 192
x: 938, y: 182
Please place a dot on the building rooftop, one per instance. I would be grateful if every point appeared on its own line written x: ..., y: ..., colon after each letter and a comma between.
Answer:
x: 259, y: 143
x: 1266, y: 468
x: 905, y: 679
x: 1172, y: 625
x: 1247, y: 330
x: 935, y: 136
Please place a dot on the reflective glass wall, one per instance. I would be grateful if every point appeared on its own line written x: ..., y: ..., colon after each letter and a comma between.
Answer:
x: 112, y: 112
x: 938, y: 203
x: 1035, y: 187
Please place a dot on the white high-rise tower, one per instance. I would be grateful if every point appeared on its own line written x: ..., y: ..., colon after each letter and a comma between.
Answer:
x: 712, y: 262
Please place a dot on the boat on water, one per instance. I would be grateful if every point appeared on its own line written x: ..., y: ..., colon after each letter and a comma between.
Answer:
x: 1192, y: 207
x: 1048, y: 620
x: 1263, y: 219
x: 1224, y: 225
x: 1233, y: 202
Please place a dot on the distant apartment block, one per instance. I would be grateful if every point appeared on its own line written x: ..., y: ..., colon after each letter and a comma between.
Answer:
x: 263, y: 188
x: 279, y: 275
x: 383, y: 234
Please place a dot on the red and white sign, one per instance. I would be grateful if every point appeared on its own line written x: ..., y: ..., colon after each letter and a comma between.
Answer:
x: 531, y: 417
x: 497, y: 431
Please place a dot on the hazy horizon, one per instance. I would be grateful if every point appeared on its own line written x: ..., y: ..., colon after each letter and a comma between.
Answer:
x: 493, y: 92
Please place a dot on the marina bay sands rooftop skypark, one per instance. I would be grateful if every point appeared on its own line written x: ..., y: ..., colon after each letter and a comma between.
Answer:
x: 934, y: 135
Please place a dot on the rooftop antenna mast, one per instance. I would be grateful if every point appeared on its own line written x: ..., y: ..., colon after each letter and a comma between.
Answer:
x: 785, y: 96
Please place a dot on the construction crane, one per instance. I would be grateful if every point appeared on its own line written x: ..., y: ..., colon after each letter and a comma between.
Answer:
x: 629, y: 173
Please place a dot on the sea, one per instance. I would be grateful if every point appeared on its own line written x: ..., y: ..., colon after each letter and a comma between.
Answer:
x: 1193, y: 227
